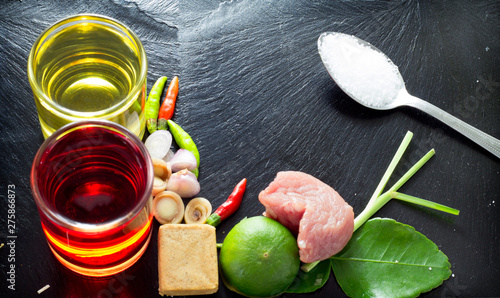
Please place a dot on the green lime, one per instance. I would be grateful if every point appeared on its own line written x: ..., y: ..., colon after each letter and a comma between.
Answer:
x: 259, y: 258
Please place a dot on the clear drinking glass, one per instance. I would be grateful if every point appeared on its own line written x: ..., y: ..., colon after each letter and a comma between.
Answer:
x: 88, y: 67
x: 92, y: 183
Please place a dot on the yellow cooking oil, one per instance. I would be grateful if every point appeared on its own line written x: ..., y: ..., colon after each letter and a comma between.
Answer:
x: 88, y: 69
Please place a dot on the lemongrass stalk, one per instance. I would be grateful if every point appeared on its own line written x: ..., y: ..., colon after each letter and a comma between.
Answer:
x: 387, y: 196
x: 380, y: 201
x: 392, y: 165
x: 425, y: 203
x: 309, y: 266
x: 372, y: 209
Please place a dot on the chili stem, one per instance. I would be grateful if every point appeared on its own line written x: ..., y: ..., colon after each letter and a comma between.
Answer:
x: 214, y: 219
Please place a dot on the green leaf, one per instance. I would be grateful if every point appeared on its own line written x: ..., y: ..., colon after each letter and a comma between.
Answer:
x: 306, y: 282
x: 385, y: 258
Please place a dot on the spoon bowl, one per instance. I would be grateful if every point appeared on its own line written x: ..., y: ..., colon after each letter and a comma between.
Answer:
x: 369, y: 77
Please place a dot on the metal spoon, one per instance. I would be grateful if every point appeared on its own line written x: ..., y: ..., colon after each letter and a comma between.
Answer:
x: 402, y: 97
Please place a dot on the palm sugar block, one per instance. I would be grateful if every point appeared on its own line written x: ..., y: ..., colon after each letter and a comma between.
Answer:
x: 187, y: 260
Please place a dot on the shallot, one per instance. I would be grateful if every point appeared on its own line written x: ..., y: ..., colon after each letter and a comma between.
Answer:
x: 184, y: 183
x: 183, y: 159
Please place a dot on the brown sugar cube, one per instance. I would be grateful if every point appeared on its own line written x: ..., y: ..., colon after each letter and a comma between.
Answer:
x: 187, y: 260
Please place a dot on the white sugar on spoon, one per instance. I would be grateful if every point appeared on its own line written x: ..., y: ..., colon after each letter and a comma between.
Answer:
x: 362, y: 72
x: 368, y: 76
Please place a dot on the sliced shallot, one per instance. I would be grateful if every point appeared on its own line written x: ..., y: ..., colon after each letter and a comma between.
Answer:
x: 158, y: 143
x: 169, y: 155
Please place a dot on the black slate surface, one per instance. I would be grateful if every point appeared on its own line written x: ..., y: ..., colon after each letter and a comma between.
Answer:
x: 257, y: 100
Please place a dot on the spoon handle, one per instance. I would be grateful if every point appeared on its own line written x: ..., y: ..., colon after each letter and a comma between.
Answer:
x: 486, y: 141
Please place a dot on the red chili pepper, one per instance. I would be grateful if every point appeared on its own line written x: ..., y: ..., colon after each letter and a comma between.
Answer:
x: 168, y: 105
x: 229, y: 206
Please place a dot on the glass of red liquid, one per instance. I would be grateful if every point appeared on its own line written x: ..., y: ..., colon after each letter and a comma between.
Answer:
x: 92, y: 183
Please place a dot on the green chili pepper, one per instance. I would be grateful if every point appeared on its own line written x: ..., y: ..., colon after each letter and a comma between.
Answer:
x: 184, y: 141
x: 153, y: 104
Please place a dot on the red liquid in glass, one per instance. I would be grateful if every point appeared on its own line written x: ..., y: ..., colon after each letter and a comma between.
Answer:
x: 94, y: 176
x: 95, y: 195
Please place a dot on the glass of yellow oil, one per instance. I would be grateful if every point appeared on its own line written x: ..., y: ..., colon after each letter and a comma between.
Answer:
x: 88, y: 67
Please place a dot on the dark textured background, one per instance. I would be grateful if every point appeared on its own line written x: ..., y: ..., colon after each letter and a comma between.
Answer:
x: 256, y: 98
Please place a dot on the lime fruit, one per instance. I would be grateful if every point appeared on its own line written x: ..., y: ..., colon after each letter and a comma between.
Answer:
x: 259, y: 258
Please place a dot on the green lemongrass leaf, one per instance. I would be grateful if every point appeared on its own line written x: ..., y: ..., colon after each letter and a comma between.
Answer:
x: 392, y: 165
x: 425, y: 203
x: 307, y: 282
x: 412, y: 170
x: 385, y: 258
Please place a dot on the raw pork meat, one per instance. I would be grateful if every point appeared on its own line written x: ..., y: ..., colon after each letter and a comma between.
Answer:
x: 315, y: 212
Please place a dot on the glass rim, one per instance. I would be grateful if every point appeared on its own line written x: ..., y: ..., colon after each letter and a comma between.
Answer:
x: 76, y: 115
x: 87, y: 227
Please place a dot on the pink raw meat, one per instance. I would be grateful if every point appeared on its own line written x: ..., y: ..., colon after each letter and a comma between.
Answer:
x: 315, y: 212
